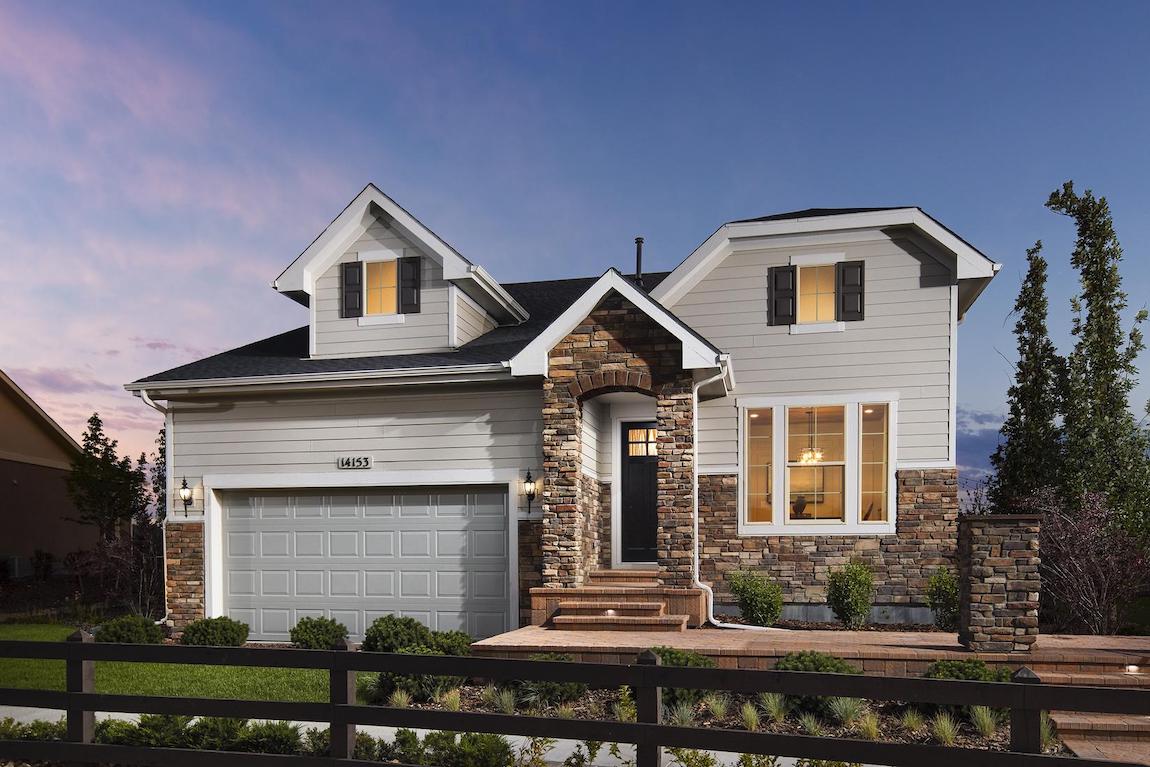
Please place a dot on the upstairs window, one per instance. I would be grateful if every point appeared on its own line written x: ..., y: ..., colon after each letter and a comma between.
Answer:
x: 381, y: 287
x: 815, y: 295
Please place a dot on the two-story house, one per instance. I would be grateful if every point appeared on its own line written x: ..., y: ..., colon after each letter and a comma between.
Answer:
x: 438, y: 444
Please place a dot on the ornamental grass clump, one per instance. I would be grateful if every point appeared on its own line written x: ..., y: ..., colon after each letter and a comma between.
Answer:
x: 868, y: 726
x: 682, y: 714
x: 911, y: 721
x: 718, y: 705
x: 776, y: 706
x: 811, y: 725
x: 984, y: 719
x: 944, y: 728
x: 846, y: 711
x: 850, y: 594
x: 750, y: 717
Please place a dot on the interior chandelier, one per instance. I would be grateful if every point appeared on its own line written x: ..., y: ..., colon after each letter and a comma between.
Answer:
x: 811, y: 454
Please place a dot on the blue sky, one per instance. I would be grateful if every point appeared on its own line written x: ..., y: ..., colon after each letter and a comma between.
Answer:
x: 161, y: 162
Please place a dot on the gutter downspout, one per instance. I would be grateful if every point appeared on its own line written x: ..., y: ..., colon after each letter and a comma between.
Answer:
x: 143, y: 395
x: 709, y: 594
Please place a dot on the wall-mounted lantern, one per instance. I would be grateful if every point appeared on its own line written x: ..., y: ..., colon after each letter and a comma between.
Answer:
x: 186, y: 495
x: 530, y: 488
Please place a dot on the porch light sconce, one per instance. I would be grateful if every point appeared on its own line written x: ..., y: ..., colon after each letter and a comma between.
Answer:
x: 186, y: 495
x: 530, y: 487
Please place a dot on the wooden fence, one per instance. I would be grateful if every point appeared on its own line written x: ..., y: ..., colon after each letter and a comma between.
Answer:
x: 1026, y: 698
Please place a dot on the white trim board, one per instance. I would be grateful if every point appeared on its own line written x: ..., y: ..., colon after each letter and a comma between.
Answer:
x: 213, y: 484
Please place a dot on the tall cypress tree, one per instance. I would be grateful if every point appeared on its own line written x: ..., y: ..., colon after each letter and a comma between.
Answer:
x: 1026, y: 461
x: 1104, y: 447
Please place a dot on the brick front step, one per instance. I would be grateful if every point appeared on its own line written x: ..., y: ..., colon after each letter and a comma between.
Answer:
x: 1096, y: 679
x: 547, y: 603
x: 1124, y: 727
x: 587, y: 607
x: 620, y: 622
x: 637, y: 578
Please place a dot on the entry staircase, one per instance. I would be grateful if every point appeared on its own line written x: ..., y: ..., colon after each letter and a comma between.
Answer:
x: 618, y: 600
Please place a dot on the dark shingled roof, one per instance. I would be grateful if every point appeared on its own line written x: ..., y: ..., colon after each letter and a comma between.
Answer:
x: 286, y: 354
x: 815, y: 213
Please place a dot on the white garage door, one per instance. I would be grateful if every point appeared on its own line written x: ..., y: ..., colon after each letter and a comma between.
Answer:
x: 436, y: 554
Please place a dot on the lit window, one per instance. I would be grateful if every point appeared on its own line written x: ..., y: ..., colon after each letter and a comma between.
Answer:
x: 816, y: 463
x: 816, y: 293
x: 381, y: 288
x: 873, y: 473
x: 642, y: 442
x: 760, y: 465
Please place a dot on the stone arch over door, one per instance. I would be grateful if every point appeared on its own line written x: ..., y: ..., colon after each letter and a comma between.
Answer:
x: 616, y: 347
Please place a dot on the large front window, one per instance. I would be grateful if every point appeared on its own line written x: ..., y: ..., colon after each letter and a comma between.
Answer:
x: 814, y: 466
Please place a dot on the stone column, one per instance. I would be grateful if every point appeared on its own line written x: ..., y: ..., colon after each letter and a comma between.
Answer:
x: 675, y: 541
x: 184, y: 571
x: 999, y: 583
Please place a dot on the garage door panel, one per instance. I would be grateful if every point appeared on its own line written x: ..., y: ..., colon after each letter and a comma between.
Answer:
x: 437, y: 556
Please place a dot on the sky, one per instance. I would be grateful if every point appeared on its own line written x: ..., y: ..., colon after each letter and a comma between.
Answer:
x: 160, y: 163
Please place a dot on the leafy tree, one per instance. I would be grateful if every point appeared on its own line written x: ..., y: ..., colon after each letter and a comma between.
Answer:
x: 1026, y: 459
x: 106, y: 489
x: 1104, y: 446
x: 160, y: 474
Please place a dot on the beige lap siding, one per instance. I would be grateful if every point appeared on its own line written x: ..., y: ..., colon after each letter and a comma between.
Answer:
x: 926, y: 540
x: 185, y: 572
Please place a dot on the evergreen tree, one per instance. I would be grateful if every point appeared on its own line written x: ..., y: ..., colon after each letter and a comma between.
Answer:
x: 106, y: 489
x: 1026, y: 461
x: 160, y: 474
x: 1104, y: 446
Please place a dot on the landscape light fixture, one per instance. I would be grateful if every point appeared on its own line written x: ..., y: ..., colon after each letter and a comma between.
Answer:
x: 530, y: 487
x: 186, y: 495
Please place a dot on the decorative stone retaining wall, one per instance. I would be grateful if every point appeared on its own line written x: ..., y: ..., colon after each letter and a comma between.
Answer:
x: 616, y: 348
x: 184, y: 579
x: 925, y: 540
x: 530, y: 565
x: 999, y: 582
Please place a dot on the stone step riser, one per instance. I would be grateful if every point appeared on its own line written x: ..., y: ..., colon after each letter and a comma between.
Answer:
x: 620, y: 623
x: 609, y: 609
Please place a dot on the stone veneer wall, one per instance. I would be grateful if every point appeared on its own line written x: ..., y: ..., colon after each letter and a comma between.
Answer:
x: 184, y: 574
x: 530, y: 565
x: 999, y: 582
x: 926, y: 539
x: 616, y: 348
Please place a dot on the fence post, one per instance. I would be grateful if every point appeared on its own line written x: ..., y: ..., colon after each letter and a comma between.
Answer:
x: 649, y: 707
x: 1026, y: 722
x: 80, y: 676
x: 342, y: 692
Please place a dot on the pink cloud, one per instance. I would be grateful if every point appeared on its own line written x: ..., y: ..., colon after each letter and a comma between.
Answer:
x: 59, y: 380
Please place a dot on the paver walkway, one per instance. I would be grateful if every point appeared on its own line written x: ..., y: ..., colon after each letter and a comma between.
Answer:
x: 1114, y: 750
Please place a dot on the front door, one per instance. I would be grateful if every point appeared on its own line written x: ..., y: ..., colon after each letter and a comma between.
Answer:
x: 638, y: 515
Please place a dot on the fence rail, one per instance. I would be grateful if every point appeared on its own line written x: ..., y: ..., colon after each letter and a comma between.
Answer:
x: 1026, y: 698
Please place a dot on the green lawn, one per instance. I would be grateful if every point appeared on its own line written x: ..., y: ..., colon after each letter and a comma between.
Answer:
x: 160, y: 678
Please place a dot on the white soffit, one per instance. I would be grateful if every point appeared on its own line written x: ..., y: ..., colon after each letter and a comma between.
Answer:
x: 532, y: 359
x: 970, y: 264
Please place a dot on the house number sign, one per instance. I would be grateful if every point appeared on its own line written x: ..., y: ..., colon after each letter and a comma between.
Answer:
x: 353, y: 462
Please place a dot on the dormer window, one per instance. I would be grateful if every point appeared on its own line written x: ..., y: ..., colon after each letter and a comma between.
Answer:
x: 816, y: 293
x: 380, y: 286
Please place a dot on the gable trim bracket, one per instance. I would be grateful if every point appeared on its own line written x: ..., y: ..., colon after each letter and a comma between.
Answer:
x: 698, y: 353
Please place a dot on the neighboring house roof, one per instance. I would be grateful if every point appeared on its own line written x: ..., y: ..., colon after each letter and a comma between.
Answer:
x: 298, y: 280
x: 286, y: 354
x: 972, y: 268
x: 37, y: 438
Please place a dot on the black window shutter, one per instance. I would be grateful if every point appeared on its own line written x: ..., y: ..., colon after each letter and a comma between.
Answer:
x: 351, y: 289
x: 409, y: 277
x: 849, y: 291
x: 781, y: 302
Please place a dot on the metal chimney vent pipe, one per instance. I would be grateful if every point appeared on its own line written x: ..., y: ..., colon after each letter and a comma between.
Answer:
x: 639, y: 261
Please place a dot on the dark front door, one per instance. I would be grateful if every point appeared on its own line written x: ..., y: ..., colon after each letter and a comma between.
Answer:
x: 639, y: 517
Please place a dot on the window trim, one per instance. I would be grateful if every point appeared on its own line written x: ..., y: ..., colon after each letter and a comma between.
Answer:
x: 853, y: 525
x: 375, y: 256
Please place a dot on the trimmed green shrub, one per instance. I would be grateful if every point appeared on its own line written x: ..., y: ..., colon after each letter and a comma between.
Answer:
x: 42, y: 730
x: 116, y: 732
x: 421, y: 687
x: 814, y: 662
x: 673, y: 696
x: 850, y: 593
x: 406, y: 748
x: 942, y: 596
x: 392, y: 632
x: 271, y: 738
x: 215, y: 632
x: 217, y: 733
x: 130, y: 629
x: 472, y: 749
x: 972, y: 670
x: 9, y: 729
x: 163, y: 731
x: 451, y: 642
x: 546, y: 694
x: 317, y: 633
x: 316, y: 741
x: 760, y: 599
